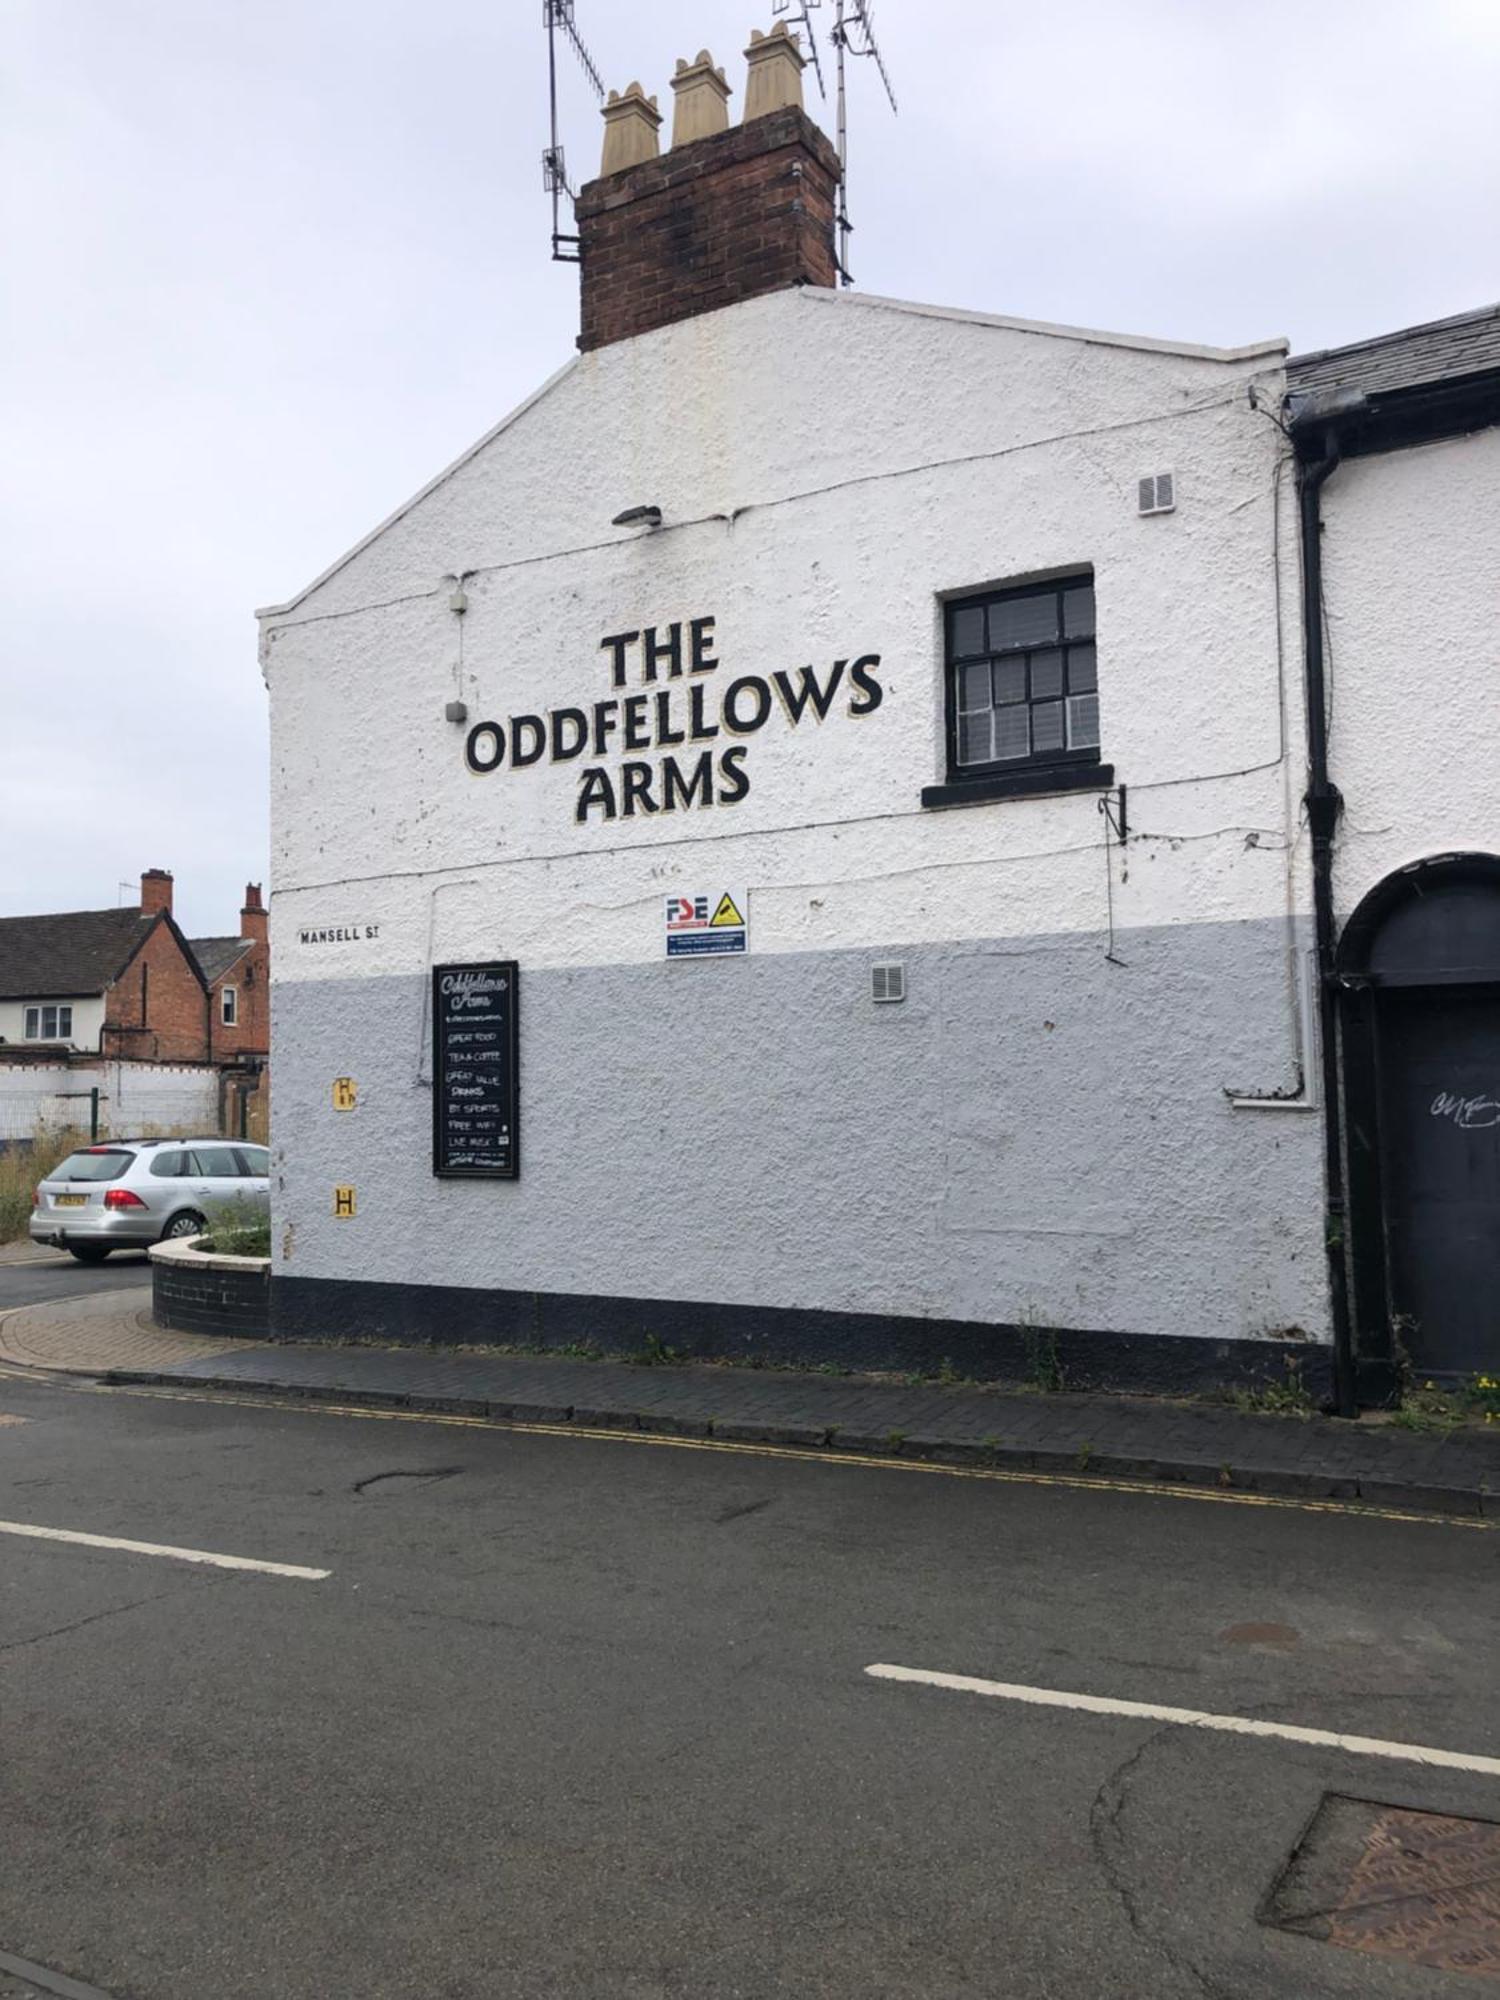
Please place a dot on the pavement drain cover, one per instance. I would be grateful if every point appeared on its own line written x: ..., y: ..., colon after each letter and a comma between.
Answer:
x: 1417, y: 1886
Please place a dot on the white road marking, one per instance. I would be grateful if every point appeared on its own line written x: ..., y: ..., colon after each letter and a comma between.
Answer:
x: 1193, y: 1718
x: 161, y: 1549
x: 47, y: 1981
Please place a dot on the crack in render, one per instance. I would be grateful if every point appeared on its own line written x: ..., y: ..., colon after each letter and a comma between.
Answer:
x: 1108, y: 1841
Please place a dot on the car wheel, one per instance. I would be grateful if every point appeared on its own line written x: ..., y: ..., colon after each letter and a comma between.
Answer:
x: 89, y: 1253
x: 186, y: 1224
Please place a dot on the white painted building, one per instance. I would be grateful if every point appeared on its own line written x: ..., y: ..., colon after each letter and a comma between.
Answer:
x: 1084, y: 1138
x: 1398, y: 443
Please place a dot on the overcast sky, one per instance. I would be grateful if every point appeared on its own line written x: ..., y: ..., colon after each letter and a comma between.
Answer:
x: 270, y: 264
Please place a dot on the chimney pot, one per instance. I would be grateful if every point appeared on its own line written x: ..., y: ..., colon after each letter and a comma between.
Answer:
x: 774, y: 78
x: 631, y: 123
x: 702, y: 95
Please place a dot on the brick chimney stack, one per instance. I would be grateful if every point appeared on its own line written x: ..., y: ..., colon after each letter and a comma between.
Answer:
x: 731, y: 212
x: 156, y: 891
x: 253, y: 917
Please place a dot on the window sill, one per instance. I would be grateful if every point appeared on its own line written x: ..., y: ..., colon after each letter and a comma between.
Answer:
x: 1020, y: 785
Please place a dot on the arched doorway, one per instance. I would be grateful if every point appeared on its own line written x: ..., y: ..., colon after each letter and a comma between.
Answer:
x: 1418, y: 967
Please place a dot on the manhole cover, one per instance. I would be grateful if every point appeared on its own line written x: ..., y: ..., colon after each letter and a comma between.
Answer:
x: 1418, y: 1886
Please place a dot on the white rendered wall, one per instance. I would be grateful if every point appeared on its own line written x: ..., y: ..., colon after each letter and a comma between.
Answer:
x: 829, y: 468
x: 134, y: 1098
x: 88, y: 1020
x: 841, y: 462
x: 1411, y: 566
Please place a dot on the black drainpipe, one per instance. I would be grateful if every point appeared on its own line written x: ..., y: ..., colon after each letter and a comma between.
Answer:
x: 1324, y: 804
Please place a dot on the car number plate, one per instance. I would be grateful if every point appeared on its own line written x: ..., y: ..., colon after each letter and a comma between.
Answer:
x: 70, y: 1201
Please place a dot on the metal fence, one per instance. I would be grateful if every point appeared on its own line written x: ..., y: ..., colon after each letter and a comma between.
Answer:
x: 122, y: 1100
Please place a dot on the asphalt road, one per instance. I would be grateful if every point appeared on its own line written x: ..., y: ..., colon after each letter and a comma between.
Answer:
x: 30, y: 1283
x: 585, y: 1716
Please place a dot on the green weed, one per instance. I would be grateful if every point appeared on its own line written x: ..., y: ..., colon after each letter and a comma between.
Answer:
x: 1044, y: 1369
x: 1288, y: 1398
x: 655, y: 1354
x: 23, y: 1165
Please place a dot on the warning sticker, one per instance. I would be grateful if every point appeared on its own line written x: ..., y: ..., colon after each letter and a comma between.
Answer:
x: 708, y: 926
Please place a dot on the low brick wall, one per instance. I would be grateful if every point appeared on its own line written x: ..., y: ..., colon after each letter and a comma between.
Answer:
x: 197, y: 1291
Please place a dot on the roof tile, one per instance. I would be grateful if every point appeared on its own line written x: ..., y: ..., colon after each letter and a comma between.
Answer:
x: 215, y: 955
x: 77, y: 952
x: 1444, y: 350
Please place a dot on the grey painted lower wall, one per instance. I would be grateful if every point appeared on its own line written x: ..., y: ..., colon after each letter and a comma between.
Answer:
x: 1036, y: 1137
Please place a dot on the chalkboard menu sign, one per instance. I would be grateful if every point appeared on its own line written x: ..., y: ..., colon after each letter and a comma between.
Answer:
x: 476, y: 1131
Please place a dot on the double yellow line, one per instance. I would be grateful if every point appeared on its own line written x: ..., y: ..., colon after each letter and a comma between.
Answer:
x: 803, y: 1455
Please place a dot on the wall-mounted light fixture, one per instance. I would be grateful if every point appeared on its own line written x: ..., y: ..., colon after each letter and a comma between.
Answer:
x: 638, y: 517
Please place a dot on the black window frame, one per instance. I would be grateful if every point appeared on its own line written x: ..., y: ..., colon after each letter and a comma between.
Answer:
x: 1039, y: 771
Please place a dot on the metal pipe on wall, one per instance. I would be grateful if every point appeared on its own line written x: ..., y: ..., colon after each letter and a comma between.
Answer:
x: 1324, y: 804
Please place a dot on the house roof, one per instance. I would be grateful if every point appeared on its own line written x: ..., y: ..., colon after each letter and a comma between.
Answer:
x: 216, y: 955
x: 78, y: 952
x: 1444, y: 350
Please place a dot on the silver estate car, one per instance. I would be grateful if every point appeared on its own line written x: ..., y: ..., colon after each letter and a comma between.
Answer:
x: 124, y: 1193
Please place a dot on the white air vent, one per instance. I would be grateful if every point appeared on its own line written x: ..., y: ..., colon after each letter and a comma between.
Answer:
x: 888, y: 982
x: 1157, y: 494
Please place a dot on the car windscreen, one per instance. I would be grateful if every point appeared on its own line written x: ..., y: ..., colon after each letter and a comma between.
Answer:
x: 99, y: 1164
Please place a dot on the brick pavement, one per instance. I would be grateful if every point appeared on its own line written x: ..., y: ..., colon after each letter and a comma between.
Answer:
x: 111, y: 1334
x: 98, y: 1332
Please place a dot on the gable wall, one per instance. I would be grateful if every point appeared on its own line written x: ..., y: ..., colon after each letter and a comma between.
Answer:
x: 173, y: 1025
x: 1043, y: 1133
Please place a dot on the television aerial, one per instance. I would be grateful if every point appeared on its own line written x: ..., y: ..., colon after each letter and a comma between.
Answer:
x: 558, y: 18
x: 852, y: 33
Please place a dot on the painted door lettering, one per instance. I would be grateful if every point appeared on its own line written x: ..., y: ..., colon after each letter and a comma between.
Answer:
x: 1469, y: 1114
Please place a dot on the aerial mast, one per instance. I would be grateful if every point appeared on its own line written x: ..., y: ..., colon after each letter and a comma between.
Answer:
x: 852, y: 34
x: 558, y: 16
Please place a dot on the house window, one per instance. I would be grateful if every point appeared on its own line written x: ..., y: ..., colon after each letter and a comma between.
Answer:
x: 229, y: 1005
x: 49, y: 1024
x: 1023, y: 679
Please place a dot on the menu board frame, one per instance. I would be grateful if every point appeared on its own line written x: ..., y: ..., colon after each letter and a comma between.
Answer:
x: 441, y: 1021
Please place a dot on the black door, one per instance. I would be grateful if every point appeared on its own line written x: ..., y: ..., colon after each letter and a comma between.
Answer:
x: 1440, y: 1145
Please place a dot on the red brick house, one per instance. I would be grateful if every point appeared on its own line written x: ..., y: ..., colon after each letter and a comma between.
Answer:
x: 127, y: 985
x: 236, y: 971
x: 237, y: 978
